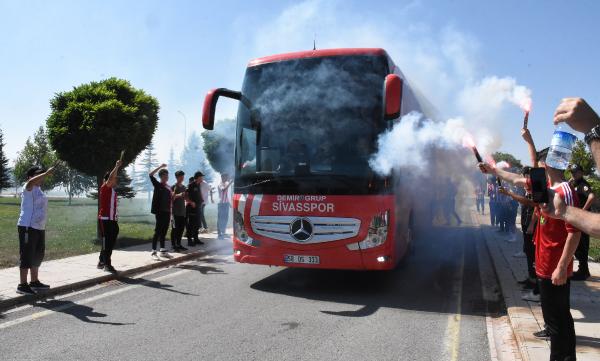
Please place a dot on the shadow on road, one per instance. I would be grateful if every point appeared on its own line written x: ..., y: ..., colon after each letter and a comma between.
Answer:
x: 153, y: 284
x: 588, y: 342
x: 428, y: 281
x: 205, y: 270
x: 81, y: 312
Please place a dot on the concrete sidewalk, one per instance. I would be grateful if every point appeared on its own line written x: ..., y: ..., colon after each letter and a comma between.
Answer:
x: 526, y: 317
x: 64, y: 275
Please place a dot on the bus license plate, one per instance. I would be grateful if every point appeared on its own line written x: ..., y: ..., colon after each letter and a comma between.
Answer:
x: 292, y: 258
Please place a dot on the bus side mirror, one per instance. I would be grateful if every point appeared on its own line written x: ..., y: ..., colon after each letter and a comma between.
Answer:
x: 393, y: 96
x: 210, y: 105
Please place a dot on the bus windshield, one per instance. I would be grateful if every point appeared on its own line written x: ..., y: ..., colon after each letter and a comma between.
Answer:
x: 310, y: 121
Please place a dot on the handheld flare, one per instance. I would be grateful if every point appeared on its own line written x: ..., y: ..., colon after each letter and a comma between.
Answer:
x: 477, y: 155
x: 526, y: 119
x: 122, y: 155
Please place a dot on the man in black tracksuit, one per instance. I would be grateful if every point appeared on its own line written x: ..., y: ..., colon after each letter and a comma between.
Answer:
x: 161, y: 208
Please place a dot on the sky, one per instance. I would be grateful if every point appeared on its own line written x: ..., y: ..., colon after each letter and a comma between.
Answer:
x: 178, y: 50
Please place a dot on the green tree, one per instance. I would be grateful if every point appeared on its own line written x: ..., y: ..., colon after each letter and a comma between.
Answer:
x: 148, y: 163
x: 193, y: 157
x: 75, y: 183
x: 90, y: 125
x: 509, y: 158
x: 123, y: 188
x: 219, y: 146
x: 5, y: 171
x: 36, y: 152
x: 583, y: 157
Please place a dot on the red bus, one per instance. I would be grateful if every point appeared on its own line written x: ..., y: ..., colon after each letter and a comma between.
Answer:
x: 304, y: 192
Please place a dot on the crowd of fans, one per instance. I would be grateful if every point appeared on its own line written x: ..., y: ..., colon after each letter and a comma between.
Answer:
x: 554, y: 232
x: 178, y: 206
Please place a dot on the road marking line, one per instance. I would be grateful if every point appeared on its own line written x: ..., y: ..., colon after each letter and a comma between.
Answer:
x: 453, y: 328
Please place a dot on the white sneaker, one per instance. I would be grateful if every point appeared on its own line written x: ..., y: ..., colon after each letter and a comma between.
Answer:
x: 531, y: 297
x: 165, y: 254
x: 520, y: 255
x: 154, y: 256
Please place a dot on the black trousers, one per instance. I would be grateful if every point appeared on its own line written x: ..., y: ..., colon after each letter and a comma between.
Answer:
x: 556, y: 309
x: 529, y: 250
x: 32, y: 247
x: 582, y: 252
x: 192, y: 228
x: 110, y: 232
x: 177, y: 230
x: 160, y: 230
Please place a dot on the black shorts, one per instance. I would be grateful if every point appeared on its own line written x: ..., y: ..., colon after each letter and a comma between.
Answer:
x: 32, y: 246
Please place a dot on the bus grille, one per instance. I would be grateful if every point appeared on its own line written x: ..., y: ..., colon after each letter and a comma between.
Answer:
x: 325, y: 229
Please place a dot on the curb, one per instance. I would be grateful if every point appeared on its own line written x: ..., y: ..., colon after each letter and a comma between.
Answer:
x: 23, y: 299
x: 512, y: 310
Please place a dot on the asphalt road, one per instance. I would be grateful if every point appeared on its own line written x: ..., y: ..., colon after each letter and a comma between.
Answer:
x: 431, y: 308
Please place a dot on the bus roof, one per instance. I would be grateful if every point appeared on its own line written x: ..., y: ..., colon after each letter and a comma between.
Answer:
x: 317, y: 54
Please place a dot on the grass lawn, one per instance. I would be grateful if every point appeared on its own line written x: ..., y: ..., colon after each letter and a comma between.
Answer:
x: 71, y: 230
x: 595, y: 249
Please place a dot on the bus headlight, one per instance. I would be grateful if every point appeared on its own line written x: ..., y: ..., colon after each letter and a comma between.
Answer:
x: 378, y: 231
x: 240, y: 231
x: 238, y: 226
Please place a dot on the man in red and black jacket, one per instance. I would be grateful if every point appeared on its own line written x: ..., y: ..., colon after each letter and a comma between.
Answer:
x: 108, y: 217
x: 555, y: 244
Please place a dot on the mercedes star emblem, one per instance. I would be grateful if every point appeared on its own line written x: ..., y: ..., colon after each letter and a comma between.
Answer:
x: 301, y: 229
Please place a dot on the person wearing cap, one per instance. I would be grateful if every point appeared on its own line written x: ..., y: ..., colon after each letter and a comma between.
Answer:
x: 555, y: 244
x: 162, y: 199
x: 32, y: 230
x: 108, y: 216
x: 586, y: 199
x: 179, y: 212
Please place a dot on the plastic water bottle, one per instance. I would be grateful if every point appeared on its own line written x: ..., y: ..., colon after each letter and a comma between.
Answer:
x: 561, y: 147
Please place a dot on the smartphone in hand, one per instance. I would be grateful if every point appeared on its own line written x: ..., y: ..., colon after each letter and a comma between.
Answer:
x: 539, y: 185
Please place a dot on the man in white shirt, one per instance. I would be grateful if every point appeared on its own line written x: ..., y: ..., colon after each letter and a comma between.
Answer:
x: 32, y: 230
x: 224, y: 204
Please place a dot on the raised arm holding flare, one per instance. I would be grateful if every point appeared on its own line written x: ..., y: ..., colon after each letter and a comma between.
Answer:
x: 108, y: 218
x: 530, y: 146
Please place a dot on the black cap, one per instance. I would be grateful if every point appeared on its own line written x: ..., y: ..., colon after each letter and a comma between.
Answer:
x: 574, y: 168
x: 33, y: 171
x: 198, y: 174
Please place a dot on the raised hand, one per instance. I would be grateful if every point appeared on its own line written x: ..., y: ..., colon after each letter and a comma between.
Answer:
x: 577, y: 113
x: 526, y: 135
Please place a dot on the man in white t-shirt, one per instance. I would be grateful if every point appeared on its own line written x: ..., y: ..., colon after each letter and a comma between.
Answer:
x: 224, y: 204
x: 32, y: 230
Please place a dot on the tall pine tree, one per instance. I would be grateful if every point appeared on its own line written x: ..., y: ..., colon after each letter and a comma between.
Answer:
x: 193, y: 158
x: 5, y: 172
x: 147, y: 164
